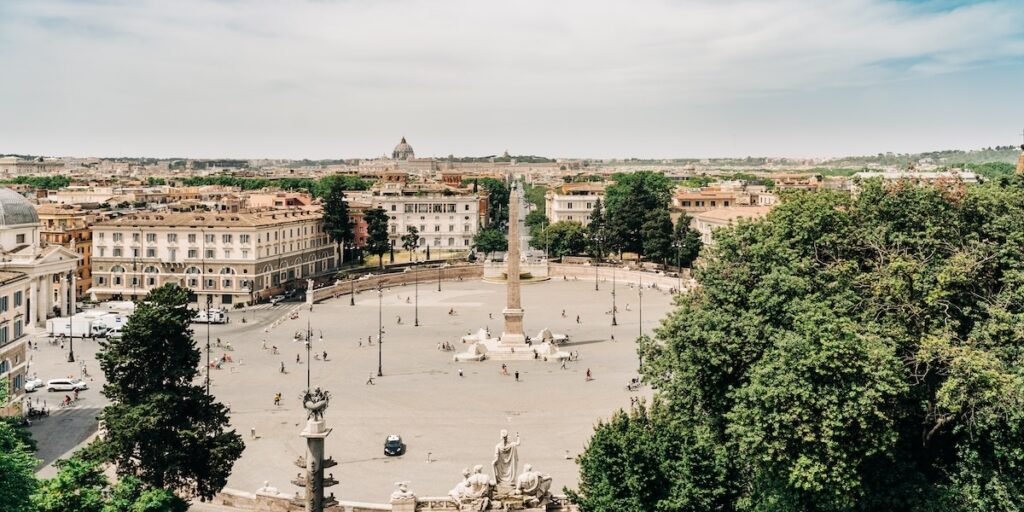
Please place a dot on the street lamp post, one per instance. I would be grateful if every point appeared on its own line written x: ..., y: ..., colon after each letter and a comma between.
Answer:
x: 614, y: 308
x: 416, y: 275
x: 209, y: 304
x: 352, y: 291
x: 439, y: 276
x: 71, y: 314
x: 380, y: 329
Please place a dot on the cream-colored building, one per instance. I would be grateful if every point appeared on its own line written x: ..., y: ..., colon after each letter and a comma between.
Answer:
x: 573, y: 202
x: 70, y: 226
x: 50, y: 268
x: 11, y: 166
x: 447, y: 218
x: 13, y: 354
x: 229, y: 257
x: 707, y: 222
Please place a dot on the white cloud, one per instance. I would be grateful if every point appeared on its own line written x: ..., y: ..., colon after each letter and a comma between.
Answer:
x: 270, y: 75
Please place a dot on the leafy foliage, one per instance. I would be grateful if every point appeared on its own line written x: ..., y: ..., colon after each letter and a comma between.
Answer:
x: 161, y: 427
x: 629, y: 202
x: 563, y: 238
x: 17, y: 470
x: 318, y: 188
x: 377, y: 241
x: 844, y: 353
x: 81, y: 486
x: 686, y: 242
x: 490, y: 239
x: 337, y: 222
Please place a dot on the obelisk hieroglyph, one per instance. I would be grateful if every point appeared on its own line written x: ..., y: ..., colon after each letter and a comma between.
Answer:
x: 513, y: 312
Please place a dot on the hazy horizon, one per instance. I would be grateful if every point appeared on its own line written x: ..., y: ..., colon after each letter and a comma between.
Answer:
x: 652, y: 79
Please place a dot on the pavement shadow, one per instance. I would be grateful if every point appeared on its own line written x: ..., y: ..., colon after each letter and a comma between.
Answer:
x: 60, y: 433
x: 581, y: 342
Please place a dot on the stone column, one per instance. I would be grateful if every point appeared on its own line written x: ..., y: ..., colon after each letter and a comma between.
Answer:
x: 74, y: 292
x: 62, y: 300
x: 513, y: 312
x: 315, y: 433
x: 33, y: 302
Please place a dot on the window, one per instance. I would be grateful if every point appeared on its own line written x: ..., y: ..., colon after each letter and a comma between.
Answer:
x: 3, y: 304
x: 245, y: 253
x: 191, y: 238
x: 117, y: 280
x: 193, y: 282
x: 151, y: 253
x: 4, y: 337
x: 135, y: 280
x: 193, y: 270
x: 18, y: 298
x: 227, y: 253
x: 394, y: 208
x: 192, y: 253
x: 451, y: 242
x: 465, y: 228
x: 172, y: 255
x: 151, y: 237
x: 19, y: 329
x: 225, y: 283
x: 210, y: 239
x: 172, y: 237
x: 210, y: 283
x: 226, y: 239
x: 135, y: 237
x: 465, y: 242
x: 568, y: 206
x: 118, y: 237
x: 117, y: 252
x: 135, y: 253
x: 451, y: 227
x: 101, y: 235
x: 101, y: 280
x: 20, y: 238
x: 243, y: 238
x: 437, y: 228
x: 150, y: 281
x: 209, y: 254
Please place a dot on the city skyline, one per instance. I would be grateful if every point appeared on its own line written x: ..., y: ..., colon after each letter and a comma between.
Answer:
x: 786, y: 78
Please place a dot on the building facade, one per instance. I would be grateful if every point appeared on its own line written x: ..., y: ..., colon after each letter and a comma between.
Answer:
x: 71, y: 227
x: 13, y: 348
x: 228, y: 258
x: 572, y: 202
x: 447, y: 218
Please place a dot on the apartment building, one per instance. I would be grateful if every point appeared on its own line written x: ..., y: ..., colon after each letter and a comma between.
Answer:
x: 14, y: 287
x: 573, y: 202
x: 446, y: 217
x: 71, y: 227
x: 229, y: 258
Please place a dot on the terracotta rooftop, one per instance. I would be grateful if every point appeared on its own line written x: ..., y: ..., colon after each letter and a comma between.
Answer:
x: 215, y: 219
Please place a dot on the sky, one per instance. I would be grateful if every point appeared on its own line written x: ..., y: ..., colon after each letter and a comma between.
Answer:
x: 559, y: 78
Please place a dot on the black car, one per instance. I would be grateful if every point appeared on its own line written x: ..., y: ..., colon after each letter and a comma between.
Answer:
x: 394, y: 446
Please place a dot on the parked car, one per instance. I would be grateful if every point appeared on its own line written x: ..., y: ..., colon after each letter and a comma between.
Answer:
x: 65, y: 385
x: 33, y: 385
x: 276, y: 298
x: 394, y: 446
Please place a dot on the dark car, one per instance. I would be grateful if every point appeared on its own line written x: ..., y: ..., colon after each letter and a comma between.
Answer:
x: 394, y: 446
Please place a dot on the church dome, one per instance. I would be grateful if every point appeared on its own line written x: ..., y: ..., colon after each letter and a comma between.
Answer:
x: 15, y: 209
x: 403, y: 151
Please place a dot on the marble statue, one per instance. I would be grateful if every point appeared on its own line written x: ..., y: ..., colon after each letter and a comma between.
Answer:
x: 474, y: 491
x: 402, y: 493
x: 506, y: 459
x: 533, y: 485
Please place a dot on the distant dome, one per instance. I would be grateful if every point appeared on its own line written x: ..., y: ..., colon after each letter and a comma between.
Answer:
x: 403, y: 151
x: 15, y: 209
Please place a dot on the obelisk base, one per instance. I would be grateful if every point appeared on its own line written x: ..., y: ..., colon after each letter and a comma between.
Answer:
x: 513, y: 335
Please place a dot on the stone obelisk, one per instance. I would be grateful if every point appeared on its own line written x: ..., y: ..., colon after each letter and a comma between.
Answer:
x: 513, y: 335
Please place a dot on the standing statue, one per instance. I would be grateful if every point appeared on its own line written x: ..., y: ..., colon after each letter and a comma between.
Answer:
x: 505, y: 461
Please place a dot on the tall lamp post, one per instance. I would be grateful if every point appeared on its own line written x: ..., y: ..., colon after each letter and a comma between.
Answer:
x: 439, y: 276
x: 416, y: 275
x: 71, y: 347
x: 380, y: 328
x: 309, y: 343
x: 640, y: 292
x: 614, y: 308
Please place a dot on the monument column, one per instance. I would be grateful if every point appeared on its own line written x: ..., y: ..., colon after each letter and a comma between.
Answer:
x: 513, y: 311
x: 63, y: 299
x: 74, y: 292
x: 33, y: 300
x: 316, y: 432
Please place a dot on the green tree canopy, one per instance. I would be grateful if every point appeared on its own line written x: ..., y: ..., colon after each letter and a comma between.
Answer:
x: 628, y: 203
x: 686, y: 242
x: 17, y: 470
x: 377, y: 241
x: 564, y: 238
x: 657, y: 234
x: 161, y: 427
x: 845, y: 353
x: 337, y: 221
x: 490, y: 239
x: 81, y: 486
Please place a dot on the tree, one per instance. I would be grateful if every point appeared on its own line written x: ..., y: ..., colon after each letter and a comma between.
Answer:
x: 81, y: 486
x: 17, y: 470
x: 497, y: 200
x: 685, y: 242
x: 337, y: 222
x: 564, y: 238
x: 377, y: 241
x: 161, y: 427
x: 597, y: 233
x: 490, y: 239
x: 628, y: 203
x: 656, y: 232
x: 845, y: 353
x: 411, y: 239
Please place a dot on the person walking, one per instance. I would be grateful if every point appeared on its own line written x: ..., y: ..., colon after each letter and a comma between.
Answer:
x: 282, y: 366
x: 504, y: 369
x: 325, y: 355
x: 563, y: 364
x: 369, y: 381
x: 517, y: 375
x: 277, y: 399
x: 460, y: 372
x: 589, y: 378
x: 297, y: 360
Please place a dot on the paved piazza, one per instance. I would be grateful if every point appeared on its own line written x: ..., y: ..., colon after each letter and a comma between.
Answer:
x: 421, y: 396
